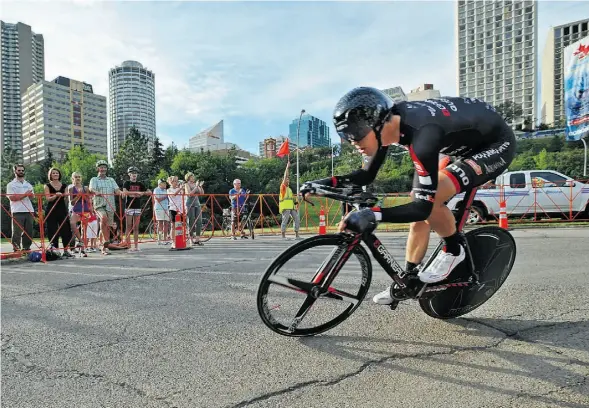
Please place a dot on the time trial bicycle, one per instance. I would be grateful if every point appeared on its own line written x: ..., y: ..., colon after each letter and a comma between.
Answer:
x: 490, y: 255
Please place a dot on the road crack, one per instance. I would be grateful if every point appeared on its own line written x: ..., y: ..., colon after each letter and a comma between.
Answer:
x: 13, y: 353
x: 361, y: 369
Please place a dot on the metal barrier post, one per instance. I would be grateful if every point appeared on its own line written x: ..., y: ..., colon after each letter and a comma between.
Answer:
x: 41, y: 229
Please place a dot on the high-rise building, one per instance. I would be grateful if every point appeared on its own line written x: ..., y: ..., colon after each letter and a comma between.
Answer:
x: 59, y: 115
x: 559, y: 37
x: 132, y: 103
x: 270, y: 146
x: 497, y: 44
x: 423, y: 92
x: 23, y: 63
x: 205, y: 139
x: 313, y: 132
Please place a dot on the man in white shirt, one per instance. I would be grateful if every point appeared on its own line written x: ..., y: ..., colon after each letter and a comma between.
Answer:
x: 19, y: 190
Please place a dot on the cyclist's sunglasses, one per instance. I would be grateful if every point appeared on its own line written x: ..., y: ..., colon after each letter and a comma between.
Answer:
x: 355, y: 132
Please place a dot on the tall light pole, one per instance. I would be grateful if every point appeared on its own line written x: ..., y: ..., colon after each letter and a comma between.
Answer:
x: 298, y: 148
x: 332, y: 146
x: 585, y: 161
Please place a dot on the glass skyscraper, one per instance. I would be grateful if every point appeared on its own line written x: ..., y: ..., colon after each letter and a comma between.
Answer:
x: 313, y: 132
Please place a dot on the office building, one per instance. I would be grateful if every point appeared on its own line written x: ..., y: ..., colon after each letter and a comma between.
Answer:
x: 59, y: 115
x: 23, y: 64
x: 559, y: 37
x: 396, y: 93
x: 497, y: 43
x: 313, y: 132
x: 208, y: 138
x: 132, y: 103
x: 423, y: 92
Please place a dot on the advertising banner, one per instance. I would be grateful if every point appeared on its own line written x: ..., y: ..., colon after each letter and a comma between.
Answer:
x: 576, y: 89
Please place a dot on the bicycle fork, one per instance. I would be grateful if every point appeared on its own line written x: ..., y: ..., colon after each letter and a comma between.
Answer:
x: 323, y: 278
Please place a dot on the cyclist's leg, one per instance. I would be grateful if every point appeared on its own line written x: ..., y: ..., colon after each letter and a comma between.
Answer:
x: 419, y: 232
x: 469, y: 172
x: 483, y: 165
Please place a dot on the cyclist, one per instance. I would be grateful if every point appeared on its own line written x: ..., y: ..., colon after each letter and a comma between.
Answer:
x: 465, y: 128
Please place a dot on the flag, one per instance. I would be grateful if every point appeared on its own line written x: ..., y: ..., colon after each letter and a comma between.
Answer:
x: 283, y: 149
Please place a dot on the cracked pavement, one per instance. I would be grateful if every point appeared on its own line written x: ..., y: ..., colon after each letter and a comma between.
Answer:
x: 181, y: 329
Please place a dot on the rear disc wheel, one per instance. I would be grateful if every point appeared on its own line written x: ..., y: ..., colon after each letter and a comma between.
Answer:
x: 493, y: 252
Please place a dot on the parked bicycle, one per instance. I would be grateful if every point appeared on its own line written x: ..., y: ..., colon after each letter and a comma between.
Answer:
x: 490, y: 254
x: 246, y: 222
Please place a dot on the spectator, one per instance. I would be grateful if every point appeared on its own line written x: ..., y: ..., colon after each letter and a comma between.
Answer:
x: 19, y: 190
x: 287, y: 205
x: 104, y: 189
x: 133, y: 190
x: 238, y: 198
x: 92, y: 233
x: 161, y: 210
x: 194, y: 212
x: 56, y: 212
x: 81, y: 208
x: 176, y: 201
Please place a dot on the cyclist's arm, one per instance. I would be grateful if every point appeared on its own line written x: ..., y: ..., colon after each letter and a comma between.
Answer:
x: 361, y: 177
x: 424, y: 153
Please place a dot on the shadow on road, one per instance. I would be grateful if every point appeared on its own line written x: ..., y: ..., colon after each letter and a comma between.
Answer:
x: 540, y: 350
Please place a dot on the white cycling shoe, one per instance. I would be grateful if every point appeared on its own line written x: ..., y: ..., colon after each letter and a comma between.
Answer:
x: 441, y: 267
x: 384, y: 297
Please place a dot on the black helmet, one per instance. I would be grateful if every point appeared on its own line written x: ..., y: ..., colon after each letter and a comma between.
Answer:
x: 132, y: 169
x: 359, y: 111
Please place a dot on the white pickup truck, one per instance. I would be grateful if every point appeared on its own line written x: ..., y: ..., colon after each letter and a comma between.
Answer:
x: 527, y: 193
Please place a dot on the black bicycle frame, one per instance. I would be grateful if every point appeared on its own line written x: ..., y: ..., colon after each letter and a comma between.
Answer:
x: 396, y: 271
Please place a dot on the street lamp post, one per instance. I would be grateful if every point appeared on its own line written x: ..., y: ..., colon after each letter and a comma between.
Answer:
x: 332, y: 146
x: 585, y: 161
x: 298, y: 148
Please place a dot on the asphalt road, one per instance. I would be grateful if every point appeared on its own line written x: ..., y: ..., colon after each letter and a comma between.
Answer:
x: 163, y: 329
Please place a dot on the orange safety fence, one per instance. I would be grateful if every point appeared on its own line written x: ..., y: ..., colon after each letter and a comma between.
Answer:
x: 540, y: 201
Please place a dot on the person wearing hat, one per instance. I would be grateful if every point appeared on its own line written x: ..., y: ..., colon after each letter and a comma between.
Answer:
x: 133, y: 190
x: 104, y: 189
x: 238, y: 197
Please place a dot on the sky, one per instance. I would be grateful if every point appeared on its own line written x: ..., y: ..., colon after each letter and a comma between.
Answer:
x: 255, y: 64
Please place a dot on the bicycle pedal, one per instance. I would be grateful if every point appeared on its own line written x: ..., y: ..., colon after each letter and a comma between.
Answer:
x: 394, y: 305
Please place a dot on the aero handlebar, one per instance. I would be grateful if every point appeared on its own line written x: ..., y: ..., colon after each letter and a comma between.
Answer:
x: 353, y: 195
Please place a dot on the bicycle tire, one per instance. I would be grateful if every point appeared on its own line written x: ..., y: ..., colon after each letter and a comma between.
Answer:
x: 440, y: 305
x: 225, y: 227
x: 280, y: 260
x: 251, y: 228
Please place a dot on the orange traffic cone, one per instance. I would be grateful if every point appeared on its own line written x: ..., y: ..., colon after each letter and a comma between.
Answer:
x: 322, y: 228
x: 502, y: 215
x: 180, y: 238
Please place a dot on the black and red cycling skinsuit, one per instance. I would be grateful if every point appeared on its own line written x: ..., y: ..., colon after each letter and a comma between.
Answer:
x: 468, y: 129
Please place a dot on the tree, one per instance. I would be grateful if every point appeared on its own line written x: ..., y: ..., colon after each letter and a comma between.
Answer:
x: 47, y: 163
x: 170, y: 153
x: 543, y: 126
x: 80, y: 160
x: 133, y: 152
x: 158, y: 156
x: 510, y: 111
